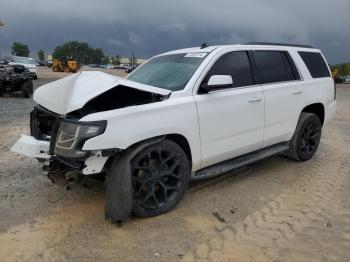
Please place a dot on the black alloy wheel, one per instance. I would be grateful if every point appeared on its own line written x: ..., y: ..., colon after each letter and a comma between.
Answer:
x: 306, y: 138
x: 159, y: 175
x: 310, y: 139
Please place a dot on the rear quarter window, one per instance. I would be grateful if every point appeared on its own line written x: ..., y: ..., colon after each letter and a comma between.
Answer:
x: 275, y: 66
x: 315, y: 64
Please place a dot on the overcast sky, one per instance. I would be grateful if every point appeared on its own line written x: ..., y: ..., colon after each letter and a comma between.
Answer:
x: 149, y: 27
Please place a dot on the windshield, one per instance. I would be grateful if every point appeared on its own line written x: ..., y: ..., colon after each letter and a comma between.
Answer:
x: 23, y: 60
x: 170, y: 72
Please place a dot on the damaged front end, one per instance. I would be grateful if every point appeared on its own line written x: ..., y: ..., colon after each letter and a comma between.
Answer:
x: 58, y: 141
x: 57, y: 135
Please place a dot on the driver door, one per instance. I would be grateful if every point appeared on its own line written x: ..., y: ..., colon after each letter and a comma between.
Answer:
x: 231, y: 119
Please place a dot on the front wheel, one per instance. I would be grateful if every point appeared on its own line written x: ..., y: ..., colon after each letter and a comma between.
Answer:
x: 306, y: 138
x: 148, y: 179
x: 27, y: 89
x: 160, y: 174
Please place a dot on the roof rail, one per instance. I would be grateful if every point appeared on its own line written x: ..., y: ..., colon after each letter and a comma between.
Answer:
x: 279, y: 44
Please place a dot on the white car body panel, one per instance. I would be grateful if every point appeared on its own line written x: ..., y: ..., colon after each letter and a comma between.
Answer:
x: 94, y: 164
x: 231, y: 121
x: 218, y: 126
x: 283, y: 104
x: 74, y: 91
x: 31, y: 147
x: 130, y: 125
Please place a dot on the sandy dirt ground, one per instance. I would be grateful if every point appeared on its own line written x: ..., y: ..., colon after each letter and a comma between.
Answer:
x: 275, y: 210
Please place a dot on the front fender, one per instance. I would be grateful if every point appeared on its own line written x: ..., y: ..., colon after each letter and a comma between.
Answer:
x: 128, y: 126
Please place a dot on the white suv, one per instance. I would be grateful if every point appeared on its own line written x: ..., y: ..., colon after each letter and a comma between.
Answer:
x: 28, y: 63
x: 184, y: 115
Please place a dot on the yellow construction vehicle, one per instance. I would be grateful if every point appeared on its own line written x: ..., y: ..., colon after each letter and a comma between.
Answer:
x: 335, y: 72
x: 65, y: 64
x: 336, y: 76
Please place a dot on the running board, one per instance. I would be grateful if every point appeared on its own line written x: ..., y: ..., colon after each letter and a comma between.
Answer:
x: 235, y: 163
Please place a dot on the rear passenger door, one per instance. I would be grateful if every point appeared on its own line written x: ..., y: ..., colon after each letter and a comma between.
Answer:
x: 231, y: 120
x: 283, y: 93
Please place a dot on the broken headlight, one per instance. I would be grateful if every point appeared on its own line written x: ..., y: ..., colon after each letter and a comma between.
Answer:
x: 72, y: 135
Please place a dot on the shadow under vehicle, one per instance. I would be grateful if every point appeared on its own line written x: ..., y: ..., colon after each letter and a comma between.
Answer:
x: 15, y: 78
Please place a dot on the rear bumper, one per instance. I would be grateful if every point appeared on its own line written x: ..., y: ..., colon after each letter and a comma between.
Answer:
x: 330, y: 112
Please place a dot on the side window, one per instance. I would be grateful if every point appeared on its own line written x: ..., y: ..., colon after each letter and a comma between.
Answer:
x: 275, y: 66
x: 237, y: 65
x: 315, y: 64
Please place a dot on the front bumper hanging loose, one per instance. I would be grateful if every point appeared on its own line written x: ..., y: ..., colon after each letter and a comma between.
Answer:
x: 34, y: 148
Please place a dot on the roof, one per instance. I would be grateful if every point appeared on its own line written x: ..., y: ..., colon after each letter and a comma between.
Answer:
x: 209, y: 49
x: 278, y: 44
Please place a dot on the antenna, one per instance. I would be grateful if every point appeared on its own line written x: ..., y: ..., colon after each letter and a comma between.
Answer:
x: 204, y: 45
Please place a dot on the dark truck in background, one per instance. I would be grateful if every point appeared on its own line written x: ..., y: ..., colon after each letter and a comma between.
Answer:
x: 15, y: 78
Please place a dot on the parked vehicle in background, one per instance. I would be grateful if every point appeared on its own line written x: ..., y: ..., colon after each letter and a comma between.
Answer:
x: 28, y: 63
x: 40, y: 63
x: 183, y: 115
x: 347, y: 79
x: 130, y: 69
x: 122, y: 66
x: 15, y: 78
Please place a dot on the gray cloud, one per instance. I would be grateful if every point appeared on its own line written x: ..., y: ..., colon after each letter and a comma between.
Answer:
x: 150, y: 27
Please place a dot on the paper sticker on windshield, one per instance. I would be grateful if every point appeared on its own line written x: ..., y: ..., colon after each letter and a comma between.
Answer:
x: 198, y: 55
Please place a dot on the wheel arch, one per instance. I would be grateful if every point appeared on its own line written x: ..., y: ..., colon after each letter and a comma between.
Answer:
x: 179, y: 139
x: 317, y: 109
x: 183, y: 143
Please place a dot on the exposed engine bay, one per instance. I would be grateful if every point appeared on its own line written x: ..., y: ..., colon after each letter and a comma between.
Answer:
x: 115, y: 98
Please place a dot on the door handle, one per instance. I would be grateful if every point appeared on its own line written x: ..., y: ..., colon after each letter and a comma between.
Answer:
x: 254, y: 99
x: 297, y: 92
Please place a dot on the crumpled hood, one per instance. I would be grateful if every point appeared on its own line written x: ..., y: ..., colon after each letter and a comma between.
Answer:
x: 73, y: 92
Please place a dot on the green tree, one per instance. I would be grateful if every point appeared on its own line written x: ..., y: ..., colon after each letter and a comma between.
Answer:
x: 116, y: 60
x: 343, y: 69
x: 105, y: 60
x: 20, y: 49
x: 41, y: 55
x: 132, y: 60
x: 79, y: 51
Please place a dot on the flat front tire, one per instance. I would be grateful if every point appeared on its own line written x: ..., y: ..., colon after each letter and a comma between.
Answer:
x: 147, y: 180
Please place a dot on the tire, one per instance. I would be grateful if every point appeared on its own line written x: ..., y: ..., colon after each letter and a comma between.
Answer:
x: 158, y: 175
x: 168, y: 176
x: 27, y: 89
x: 306, y: 137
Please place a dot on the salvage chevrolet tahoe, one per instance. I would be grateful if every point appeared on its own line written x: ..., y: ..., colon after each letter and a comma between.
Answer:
x: 184, y: 115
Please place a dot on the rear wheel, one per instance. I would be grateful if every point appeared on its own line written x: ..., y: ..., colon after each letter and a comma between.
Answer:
x: 306, y: 138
